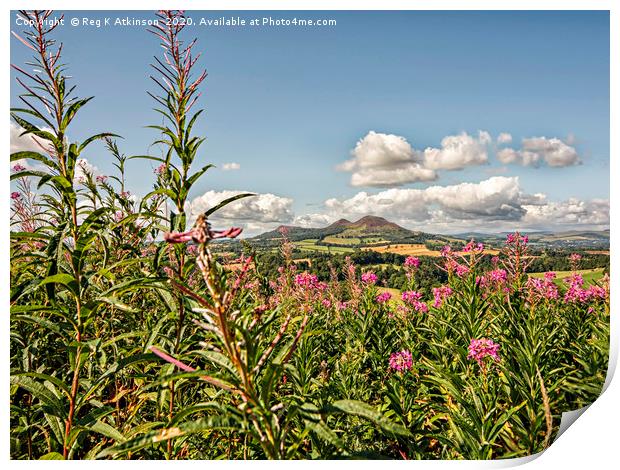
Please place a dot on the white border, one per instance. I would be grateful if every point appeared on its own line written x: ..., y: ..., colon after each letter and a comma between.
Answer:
x: 591, y: 442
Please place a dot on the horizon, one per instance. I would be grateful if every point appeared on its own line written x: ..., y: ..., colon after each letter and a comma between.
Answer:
x: 413, y: 116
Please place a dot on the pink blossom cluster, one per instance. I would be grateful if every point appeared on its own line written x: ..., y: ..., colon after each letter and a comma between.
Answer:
x: 413, y: 299
x: 517, y: 239
x: 412, y: 262
x: 497, y: 276
x: 481, y: 348
x: 17, y: 168
x: 461, y: 270
x: 383, y: 297
x: 473, y: 247
x: 306, y: 280
x: 16, y: 195
x: 401, y: 361
x: 101, y: 179
x: 441, y: 294
x: 540, y: 289
x: 160, y: 169
x: 576, y: 292
x: 369, y: 277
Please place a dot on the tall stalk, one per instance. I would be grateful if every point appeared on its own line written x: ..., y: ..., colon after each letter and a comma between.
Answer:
x: 51, y: 103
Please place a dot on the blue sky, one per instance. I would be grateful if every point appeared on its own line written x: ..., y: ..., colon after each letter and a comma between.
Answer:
x: 290, y: 104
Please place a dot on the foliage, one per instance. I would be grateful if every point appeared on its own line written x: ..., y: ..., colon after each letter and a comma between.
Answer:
x: 134, y: 337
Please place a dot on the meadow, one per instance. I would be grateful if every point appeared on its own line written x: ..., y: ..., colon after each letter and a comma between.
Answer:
x: 131, y: 338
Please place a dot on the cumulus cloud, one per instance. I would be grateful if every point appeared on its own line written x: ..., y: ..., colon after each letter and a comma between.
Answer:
x: 494, y: 204
x: 231, y: 166
x: 83, y: 168
x: 385, y: 160
x: 255, y: 213
x: 572, y: 213
x: 458, y: 151
x: 388, y: 160
x: 504, y: 138
x: 25, y: 143
x: 538, y: 150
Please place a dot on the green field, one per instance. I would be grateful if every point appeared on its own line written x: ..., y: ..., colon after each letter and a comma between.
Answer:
x: 310, y: 245
x: 589, y: 275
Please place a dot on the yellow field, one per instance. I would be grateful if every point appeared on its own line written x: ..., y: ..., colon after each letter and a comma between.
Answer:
x: 414, y: 249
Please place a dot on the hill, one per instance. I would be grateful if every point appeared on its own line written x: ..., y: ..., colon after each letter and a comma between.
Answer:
x: 367, y: 231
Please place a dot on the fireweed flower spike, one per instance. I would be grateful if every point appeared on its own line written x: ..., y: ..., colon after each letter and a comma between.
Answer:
x: 369, y: 277
x: 401, y: 361
x: 201, y: 233
x: 481, y: 348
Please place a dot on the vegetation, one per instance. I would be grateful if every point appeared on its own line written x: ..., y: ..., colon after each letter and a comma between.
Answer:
x: 136, y: 335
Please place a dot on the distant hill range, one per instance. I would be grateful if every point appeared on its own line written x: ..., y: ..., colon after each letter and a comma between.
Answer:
x: 369, y: 230
x: 374, y: 231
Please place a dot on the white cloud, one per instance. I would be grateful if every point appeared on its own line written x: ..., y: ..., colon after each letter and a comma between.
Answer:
x: 388, y: 160
x: 385, y: 160
x: 504, y: 138
x: 82, y: 168
x: 458, y: 151
x: 536, y: 150
x: 493, y: 205
x: 312, y: 220
x: 497, y: 197
x: 25, y: 143
x: 231, y: 166
x: 572, y: 213
x: 254, y: 213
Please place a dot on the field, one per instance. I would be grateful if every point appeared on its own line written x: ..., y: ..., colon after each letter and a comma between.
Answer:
x: 310, y: 245
x: 415, y: 249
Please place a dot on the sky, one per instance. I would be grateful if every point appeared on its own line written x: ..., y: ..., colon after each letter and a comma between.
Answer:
x: 438, y: 121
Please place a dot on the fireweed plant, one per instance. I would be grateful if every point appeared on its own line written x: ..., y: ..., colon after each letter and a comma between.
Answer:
x: 133, y: 337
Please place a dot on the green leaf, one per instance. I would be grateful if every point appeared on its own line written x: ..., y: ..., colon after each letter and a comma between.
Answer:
x: 52, y: 456
x: 363, y: 410
x: 226, y: 202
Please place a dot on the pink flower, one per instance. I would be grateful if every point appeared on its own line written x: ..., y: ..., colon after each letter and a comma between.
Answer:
x: 481, y: 348
x: 326, y: 303
x: 412, y: 262
x: 101, y: 178
x: 401, y: 361
x: 306, y: 280
x: 446, y: 251
x: 542, y: 288
x: 411, y: 296
x: 369, y: 277
x: 550, y: 276
x: 472, y: 246
x: 198, y: 236
x: 17, y: 168
x: 516, y: 239
x: 574, y: 257
x: 125, y: 194
x: 441, y: 294
x: 160, y: 169
x: 16, y: 195
x: 383, y: 297
x: 461, y: 270
x: 498, y: 276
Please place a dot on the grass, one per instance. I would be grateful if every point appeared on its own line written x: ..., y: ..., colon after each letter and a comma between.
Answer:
x: 310, y: 245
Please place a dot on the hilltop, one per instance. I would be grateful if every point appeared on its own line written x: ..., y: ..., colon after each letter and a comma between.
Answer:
x: 369, y: 230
